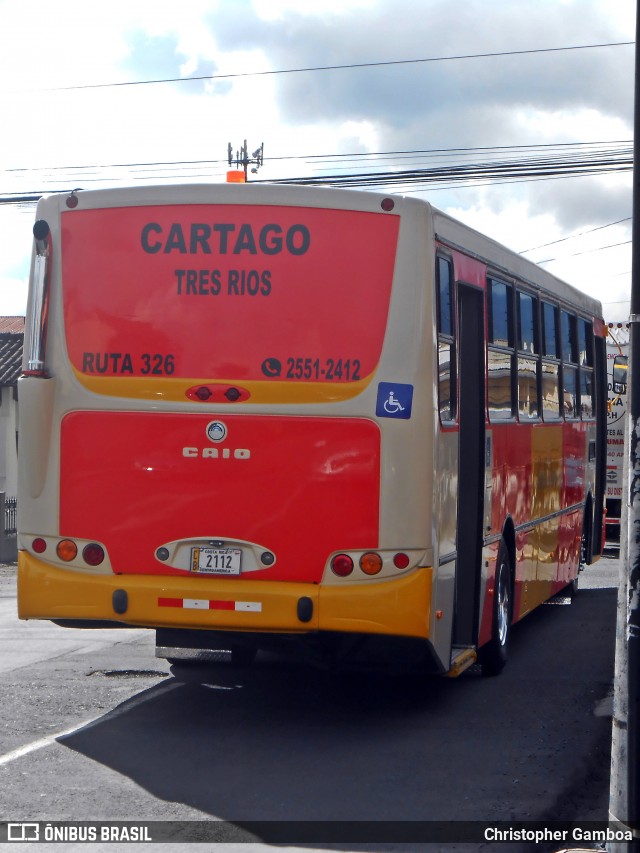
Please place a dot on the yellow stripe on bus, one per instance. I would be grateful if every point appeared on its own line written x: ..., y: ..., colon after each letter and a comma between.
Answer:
x: 175, y: 390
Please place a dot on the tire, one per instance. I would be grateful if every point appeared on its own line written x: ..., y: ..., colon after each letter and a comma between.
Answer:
x: 493, y: 656
x: 584, y: 559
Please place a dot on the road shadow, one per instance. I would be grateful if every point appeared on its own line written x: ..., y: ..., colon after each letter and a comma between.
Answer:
x: 282, y: 742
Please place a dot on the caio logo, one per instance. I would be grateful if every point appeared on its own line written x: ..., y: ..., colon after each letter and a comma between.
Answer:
x: 216, y: 431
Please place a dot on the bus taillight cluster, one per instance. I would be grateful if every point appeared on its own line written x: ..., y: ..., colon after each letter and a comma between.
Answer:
x: 67, y: 551
x: 370, y: 563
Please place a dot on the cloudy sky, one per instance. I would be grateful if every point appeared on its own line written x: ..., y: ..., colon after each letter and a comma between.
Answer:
x: 67, y: 120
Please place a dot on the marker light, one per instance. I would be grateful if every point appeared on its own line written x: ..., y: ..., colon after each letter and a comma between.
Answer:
x: 342, y: 565
x: 67, y: 550
x: 371, y: 563
x: 39, y: 545
x: 93, y: 554
x: 401, y: 561
x: 235, y: 176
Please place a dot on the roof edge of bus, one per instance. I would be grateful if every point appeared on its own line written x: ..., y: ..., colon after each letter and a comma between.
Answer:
x: 194, y: 193
x: 501, y: 258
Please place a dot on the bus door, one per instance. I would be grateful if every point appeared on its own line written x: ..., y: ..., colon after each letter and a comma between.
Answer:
x: 471, y: 463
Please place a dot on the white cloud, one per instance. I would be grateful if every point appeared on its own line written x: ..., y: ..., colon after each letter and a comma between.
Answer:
x: 535, y: 99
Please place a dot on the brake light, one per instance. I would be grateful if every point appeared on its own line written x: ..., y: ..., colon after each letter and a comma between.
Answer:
x: 342, y: 565
x: 93, y: 554
x: 401, y: 561
x: 39, y: 545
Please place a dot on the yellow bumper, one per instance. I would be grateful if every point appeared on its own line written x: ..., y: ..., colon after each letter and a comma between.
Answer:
x: 399, y: 607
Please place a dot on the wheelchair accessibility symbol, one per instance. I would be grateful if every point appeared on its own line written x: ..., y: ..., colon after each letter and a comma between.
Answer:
x: 392, y: 406
x: 394, y: 400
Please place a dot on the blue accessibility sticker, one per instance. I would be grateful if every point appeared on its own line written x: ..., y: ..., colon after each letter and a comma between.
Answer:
x: 394, y: 400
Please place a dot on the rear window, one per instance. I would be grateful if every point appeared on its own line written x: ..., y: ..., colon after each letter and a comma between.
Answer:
x: 225, y: 294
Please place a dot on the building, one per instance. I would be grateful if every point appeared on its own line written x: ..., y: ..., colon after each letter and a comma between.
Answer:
x: 11, y: 343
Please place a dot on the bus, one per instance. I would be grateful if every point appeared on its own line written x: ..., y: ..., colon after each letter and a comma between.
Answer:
x: 328, y: 423
x: 617, y: 363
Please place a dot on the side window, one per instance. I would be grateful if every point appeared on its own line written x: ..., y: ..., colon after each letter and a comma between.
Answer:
x: 549, y: 330
x: 446, y: 341
x: 585, y: 359
x: 569, y: 348
x: 500, y: 351
x: 528, y: 350
x: 550, y: 364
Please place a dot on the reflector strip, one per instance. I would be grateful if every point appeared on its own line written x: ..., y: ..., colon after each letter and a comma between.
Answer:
x: 205, y: 604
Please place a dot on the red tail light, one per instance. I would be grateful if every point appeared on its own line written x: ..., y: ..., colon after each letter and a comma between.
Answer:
x: 93, y: 554
x: 342, y: 565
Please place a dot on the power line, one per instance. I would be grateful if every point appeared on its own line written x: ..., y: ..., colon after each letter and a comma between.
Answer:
x: 551, y: 165
x: 572, y: 236
x: 359, y: 155
x: 341, y: 67
x: 586, y: 251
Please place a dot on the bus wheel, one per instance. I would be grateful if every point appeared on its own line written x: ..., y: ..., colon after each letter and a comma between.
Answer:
x: 584, y: 559
x: 493, y: 656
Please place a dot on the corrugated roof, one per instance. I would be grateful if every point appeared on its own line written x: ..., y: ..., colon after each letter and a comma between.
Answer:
x: 12, y: 325
x: 11, y: 342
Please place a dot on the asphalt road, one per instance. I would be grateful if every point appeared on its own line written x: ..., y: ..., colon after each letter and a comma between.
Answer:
x: 94, y: 727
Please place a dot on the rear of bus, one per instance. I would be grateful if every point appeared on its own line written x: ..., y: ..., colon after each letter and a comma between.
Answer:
x: 226, y: 417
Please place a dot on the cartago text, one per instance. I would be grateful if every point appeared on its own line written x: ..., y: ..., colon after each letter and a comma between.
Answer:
x: 224, y: 238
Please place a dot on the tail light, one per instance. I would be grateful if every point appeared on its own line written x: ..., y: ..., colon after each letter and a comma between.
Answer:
x: 342, y: 565
x: 371, y: 563
x: 67, y: 550
x: 93, y: 554
x: 70, y: 551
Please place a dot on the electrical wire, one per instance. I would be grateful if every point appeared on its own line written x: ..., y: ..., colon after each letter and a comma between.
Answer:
x: 339, y: 67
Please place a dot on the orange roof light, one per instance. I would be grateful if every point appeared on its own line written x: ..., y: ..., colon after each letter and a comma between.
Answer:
x: 235, y: 176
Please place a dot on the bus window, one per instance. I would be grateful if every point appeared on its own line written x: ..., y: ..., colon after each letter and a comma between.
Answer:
x: 550, y: 375
x: 500, y: 353
x: 550, y: 391
x: 446, y: 381
x: 445, y: 301
x: 526, y: 324
x: 569, y: 360
x: 587, y: 410
x: 501, y: 296
x: 528, y: 408
x: 568, y: 337
x: 527, y: 388
x: 446, y: 342
x: 569, y: 391
x: 585, y: 343
x: 585, y: 360
x: 550, y: 330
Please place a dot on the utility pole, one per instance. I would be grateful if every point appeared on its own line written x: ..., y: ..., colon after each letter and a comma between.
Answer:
x: 624, y: 802
x: 241, y: 159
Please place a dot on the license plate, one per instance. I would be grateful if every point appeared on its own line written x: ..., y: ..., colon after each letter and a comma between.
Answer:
x: 216, y: 561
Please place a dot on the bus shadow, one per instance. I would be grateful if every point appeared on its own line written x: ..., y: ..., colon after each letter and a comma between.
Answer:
x: 283, y: 742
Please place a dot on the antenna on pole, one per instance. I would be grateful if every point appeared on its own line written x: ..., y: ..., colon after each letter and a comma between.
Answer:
x: 243, y: 160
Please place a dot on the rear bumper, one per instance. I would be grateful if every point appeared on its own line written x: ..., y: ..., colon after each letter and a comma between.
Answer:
x: 398, y: 607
